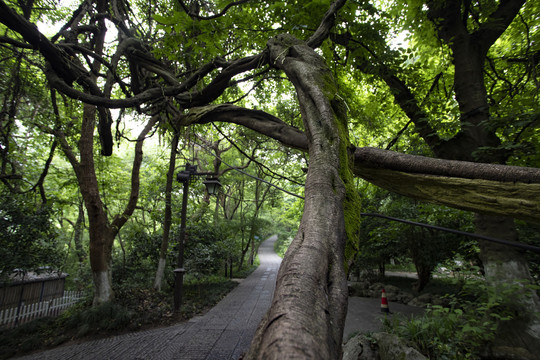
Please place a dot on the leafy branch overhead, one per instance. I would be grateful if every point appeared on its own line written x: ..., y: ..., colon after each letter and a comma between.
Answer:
x: 327, y: 80
x: 156, y: 87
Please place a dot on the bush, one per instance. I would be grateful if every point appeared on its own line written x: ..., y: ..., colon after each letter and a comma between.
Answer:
x: 206, y: 249
x: 461, y: 330
x: 135, y: 267
x: 105, y: 317
x: 28, y: 239
x: 282, y: 244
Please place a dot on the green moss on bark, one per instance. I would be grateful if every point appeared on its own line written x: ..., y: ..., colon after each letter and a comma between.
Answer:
x: 352, y: 204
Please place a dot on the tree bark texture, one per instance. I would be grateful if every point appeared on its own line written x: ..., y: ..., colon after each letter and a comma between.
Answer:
x: 100, y: 231
x: 505, y: 266
x: 309, y: 306
x: 78, y: 236
x: 519, y: 200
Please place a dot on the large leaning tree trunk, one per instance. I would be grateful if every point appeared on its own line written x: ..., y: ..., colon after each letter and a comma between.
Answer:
x: 308, y: 310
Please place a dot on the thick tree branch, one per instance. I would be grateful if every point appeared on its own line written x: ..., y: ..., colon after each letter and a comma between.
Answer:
x: 19, y: 44
x: 488, y: 188
x: 482, y: 188
x: 120, y: 220
x: 257, y: 120
x: 326, y: 25
x: 55, y: 56
x: 497, y: 23
x: 195, y: 15
x: 186, y: 99
x: 390, y: 160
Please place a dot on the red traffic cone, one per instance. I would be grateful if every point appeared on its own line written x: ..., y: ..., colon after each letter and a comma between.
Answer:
x: 384, y: 302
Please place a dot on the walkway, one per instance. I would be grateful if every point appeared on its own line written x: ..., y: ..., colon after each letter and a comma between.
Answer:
x: 225, y: 332
x: 364, y: 315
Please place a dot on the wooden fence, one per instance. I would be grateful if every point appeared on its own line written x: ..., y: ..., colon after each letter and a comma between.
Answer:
x: 26, y: 312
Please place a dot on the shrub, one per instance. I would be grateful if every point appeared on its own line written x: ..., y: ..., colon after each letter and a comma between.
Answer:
x: 461, y: 330
x: 206, y: 249
x: 104, y: 317
x: 28, y: 240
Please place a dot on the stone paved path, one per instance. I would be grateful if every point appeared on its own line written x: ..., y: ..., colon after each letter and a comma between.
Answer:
x: 225, y: 332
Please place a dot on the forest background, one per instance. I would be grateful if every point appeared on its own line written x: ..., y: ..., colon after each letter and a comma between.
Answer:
x: 451, y: 80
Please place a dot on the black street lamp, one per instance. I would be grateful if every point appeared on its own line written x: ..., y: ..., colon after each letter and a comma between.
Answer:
x: 212, y: 187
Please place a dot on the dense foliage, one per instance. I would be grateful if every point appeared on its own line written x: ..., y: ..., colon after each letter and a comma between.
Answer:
x: 28, y: 239
x: 455, y: 80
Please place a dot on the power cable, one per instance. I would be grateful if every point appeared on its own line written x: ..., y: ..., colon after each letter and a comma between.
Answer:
x: 532, y: 248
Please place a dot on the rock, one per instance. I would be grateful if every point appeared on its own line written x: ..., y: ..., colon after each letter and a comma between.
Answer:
x: 404, y: 297
x: 392, y: 347
x: 436, y: 300
x: 363, y: 284
x: 421, y: 300
x: 510, y: 353
x: 392, y: 292
x: 359, y: 348
x: 375, y: 290
x: 360, y: 288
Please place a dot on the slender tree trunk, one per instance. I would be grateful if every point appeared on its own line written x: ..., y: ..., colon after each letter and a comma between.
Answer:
x: 244, y: 244
x: 167, y: 221
x: 101, y: 231
x: 307, y: 315
x: 101, y: 234
x: 78, y: 236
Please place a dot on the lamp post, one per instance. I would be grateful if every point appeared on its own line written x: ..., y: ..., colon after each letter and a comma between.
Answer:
x: 212, y: 187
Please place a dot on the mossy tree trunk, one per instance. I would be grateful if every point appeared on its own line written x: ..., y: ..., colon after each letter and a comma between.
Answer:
x: 308, y: 310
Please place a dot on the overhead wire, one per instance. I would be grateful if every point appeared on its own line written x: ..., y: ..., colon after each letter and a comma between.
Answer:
x: 533, y: 248
x: 254, y: 160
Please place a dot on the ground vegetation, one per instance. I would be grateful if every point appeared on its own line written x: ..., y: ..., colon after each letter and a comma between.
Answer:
x: 450, y: 117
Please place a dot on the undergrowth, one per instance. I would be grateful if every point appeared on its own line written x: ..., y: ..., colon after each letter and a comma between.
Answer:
x: 460, y: 330
x: 135, y: 308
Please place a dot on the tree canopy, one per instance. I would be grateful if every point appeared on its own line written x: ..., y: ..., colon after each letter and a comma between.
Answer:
x: 435, y: 100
